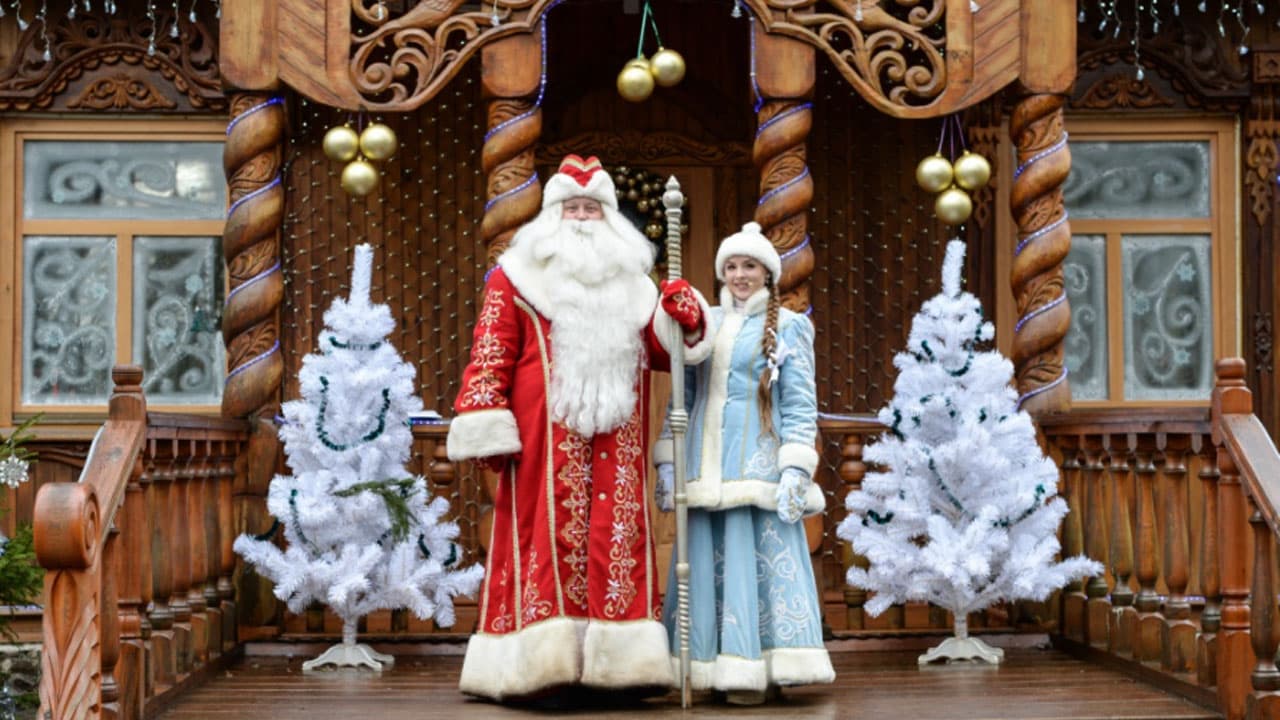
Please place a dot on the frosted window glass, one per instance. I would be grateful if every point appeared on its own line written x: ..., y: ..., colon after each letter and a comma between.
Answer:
x: 123, y: 180
x: 177, y: 316
x: 1085, y: 275
x: 1168, y: 312
x: 68, y: 319
x: 1139, y: 180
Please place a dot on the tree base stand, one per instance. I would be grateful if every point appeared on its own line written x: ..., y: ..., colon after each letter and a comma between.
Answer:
x: 954, y: 648
x: 962, y: 647
x: 350, y: 654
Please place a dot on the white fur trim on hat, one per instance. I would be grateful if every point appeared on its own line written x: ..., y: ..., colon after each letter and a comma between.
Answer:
x: 580, y: 178
x: 752, y: 243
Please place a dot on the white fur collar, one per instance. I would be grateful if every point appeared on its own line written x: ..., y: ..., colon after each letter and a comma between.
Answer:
x: 530, y: 278
x: 756, y: 304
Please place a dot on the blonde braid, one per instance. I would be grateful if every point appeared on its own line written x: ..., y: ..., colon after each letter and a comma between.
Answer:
x: 768, y: 343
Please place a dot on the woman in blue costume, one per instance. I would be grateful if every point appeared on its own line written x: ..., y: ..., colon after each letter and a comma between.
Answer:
x: 755, y: 623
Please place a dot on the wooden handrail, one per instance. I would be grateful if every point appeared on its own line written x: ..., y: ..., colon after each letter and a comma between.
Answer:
x: 153, y: 504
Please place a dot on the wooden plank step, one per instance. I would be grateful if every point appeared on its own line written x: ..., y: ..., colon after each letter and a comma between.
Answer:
x: 1040, y: 684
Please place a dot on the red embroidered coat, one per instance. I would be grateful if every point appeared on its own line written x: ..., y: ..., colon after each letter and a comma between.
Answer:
x: 570, y: 593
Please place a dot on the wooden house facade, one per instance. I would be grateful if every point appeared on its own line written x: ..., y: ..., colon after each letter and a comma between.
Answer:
x: 166, y: 204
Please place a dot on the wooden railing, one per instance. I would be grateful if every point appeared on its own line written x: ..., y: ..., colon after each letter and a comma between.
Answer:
x: 139, y: 598
x: 1173, y: 502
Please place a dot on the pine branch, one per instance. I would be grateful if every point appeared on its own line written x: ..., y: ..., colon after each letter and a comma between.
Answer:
x: 395, y: 494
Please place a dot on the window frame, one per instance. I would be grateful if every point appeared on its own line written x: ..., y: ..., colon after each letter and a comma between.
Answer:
x: 76, y: 419
x: 1222, y: 227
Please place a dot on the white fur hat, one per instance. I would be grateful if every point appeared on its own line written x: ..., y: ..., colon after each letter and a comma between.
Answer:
x: 752, y: 243
x: 579, y: 178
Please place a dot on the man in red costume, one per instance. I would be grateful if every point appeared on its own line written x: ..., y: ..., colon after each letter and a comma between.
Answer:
x: 555, y: 399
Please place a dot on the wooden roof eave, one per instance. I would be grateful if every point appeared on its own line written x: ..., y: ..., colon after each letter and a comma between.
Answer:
x: 308, y: 45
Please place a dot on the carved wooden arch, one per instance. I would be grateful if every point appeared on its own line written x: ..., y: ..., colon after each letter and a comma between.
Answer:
x: 102, y: 62
x: 355, y: 53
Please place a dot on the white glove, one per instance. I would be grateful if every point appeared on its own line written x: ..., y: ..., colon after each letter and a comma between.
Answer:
x: 664, y: 490
x: 791, y: 490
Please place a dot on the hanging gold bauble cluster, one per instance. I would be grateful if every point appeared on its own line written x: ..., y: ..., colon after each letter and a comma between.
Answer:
x: 953, y: 182
x: 376, y: 142
x: 643, y: 190
x: 638, y: 77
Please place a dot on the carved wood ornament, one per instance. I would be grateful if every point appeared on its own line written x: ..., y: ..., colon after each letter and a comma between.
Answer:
x: 103, y: 62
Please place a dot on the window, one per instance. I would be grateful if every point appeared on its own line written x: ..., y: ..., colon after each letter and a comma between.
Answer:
x: 114, y: 234
x: 1151, y: 276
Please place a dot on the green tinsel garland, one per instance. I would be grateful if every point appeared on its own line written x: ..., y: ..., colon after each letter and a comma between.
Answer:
x: 395, y: 494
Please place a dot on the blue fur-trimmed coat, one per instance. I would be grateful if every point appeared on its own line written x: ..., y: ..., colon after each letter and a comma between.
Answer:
x: 728, y: 462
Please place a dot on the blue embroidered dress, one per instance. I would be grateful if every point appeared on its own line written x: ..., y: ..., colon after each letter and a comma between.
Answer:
x: 754, y: 613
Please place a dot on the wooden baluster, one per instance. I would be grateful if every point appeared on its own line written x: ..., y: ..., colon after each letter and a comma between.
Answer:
x: 1178, y: 637
x: 851, y: 470
x: 109, y: 612
x: 1146, y: 645
x: 1264, y: 701
x: 1098, y: 605
x: 1210, y: 577
x: 226, y: 539
x: 214, y: 530
x: 159, y: 491
x: 180, y: 558
x: 1074, y: 601
x: 1124, y: 616
x: 197, y: 555
x: 135, y: 594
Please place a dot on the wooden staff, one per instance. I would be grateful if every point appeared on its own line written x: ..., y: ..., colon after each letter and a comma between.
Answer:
x: 673, y: 200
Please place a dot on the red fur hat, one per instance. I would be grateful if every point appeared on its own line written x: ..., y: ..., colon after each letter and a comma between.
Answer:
x: 577, y: 177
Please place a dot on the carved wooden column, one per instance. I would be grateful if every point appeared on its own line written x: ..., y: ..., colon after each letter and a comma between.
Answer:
x: 784, y: 74
x: 511, y: 77
x: 251, y: 322
x: 1235, y: 651
x: 1044, y: 239
x: 1124, y: 617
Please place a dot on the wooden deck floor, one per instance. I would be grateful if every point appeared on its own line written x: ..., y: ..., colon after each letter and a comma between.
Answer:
x: 1032, y: 683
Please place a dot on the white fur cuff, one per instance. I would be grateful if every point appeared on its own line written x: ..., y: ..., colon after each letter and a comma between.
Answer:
x: 798, y: 455
x: 483, y: 433
x: 664, y: 451
x: 626, y: 654
x: 521, y: 663
x: 737, y: 493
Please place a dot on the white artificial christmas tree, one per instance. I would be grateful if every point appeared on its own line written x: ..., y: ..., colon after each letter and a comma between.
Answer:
x: 363, y: 534
x: 965, y: 510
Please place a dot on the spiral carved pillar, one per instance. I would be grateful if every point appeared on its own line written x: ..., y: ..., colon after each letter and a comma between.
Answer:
x: 783, y: 70
x: 252, y: 160
x: 1044, y: 239
x: 511, y: 75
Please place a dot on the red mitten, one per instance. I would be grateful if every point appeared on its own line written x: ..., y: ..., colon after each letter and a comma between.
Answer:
x: 497, y: 463
x: 681, y: 302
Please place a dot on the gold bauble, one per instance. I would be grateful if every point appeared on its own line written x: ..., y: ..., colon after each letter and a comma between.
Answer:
x: 953, y: 206
x: 934, y: 173
x: 359, y: 177
x: 667, y: 67
x: 378, y: 142
x: 642, y: 205
x: 341, y: 143
x: 972, y: 171
x: 635, y: 82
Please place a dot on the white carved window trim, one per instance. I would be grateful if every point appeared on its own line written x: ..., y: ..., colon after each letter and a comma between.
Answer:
x: 14, y: 227
x: 1222, y: 226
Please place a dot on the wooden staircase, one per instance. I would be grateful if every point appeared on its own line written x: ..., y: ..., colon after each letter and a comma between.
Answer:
x: 146, y: 612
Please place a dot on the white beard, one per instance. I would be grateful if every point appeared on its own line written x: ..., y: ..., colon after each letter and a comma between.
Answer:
x: 596, y: 350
